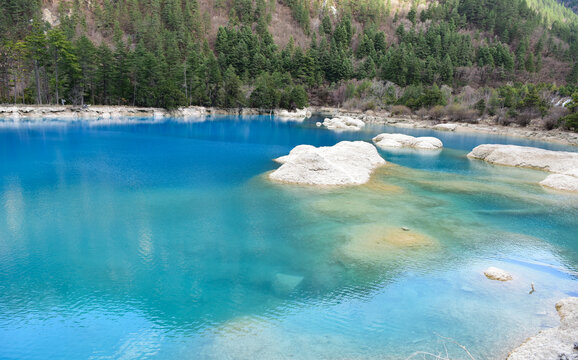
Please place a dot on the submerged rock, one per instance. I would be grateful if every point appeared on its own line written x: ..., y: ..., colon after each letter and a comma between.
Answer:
x: 555, y: 343
x: 561, y: 182
x: 494, y: 273
x: 284, y: 284
x: 376, y: 243
x: 563, y: 164
x: 401, y: 140
x: 346, y: 163
x: 343, y: 123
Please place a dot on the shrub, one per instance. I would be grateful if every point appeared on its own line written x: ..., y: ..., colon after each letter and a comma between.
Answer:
x: 525, y: 116
x: 549, y: 124
x: 480, y: 106
x: 400, y: 110
x: 370, y: 105
x: 412, y: 97
x: 437, y: 112
x: 458, y: 112
x: 423, y: 113
x: 552, y: 120
x: 502, y: 118
x: 570, y: 122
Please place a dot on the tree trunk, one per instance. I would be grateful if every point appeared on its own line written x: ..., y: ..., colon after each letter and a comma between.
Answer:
x: 185, y: 85
x: 104, y: 86
x: 37, y: 77
x: 56, y: 76
x: 134, y: 92
x: 15, y: 92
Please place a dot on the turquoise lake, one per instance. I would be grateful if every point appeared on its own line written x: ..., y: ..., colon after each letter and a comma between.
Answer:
x: 166, y: 240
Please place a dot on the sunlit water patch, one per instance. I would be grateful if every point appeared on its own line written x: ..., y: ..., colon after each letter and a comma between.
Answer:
x: 166, y: 240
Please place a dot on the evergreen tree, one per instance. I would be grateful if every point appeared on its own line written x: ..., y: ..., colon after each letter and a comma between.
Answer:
x: 447, y: 70
x: 232, y: 86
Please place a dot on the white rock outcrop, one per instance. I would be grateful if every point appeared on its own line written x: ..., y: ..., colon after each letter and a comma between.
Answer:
x: 401, y: 140
x: 563, y: 164
x: 560, y: 162
x: 192, y: 112
x: 446, y: 127
x: 297, y: 114
x: 494, y: 273
x: 343, y: 123
x: 50, y: 18
x: 346, y: 163
x: 555, y: 343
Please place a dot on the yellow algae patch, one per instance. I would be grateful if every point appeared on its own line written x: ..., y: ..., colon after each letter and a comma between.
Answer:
x: 242, y: 325
x: 377, y: 185
x: 378, y: 242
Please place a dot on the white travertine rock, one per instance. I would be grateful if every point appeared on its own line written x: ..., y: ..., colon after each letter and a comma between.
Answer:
x: 192, y: 112
x: 343, y: 123
x: 561, y: 182
x: 298, y: 114
x: 386, y: 140
x: 346, y: 163
x: 446, y: 127
x: 555, y: 343
x: 494, y: 273
x: 563, y: 164
x: 560, y: 162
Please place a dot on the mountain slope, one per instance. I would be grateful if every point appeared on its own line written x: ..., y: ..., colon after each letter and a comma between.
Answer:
x: 553, y: 10
x: 265, y: 53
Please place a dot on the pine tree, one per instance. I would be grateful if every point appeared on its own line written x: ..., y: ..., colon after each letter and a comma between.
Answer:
x: 232, y: 88
x: 447, y: 70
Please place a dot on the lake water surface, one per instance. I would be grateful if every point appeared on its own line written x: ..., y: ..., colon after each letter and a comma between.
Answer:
x: 165, y: 240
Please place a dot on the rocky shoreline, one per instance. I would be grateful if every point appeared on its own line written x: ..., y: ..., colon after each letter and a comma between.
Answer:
x: 483, y: 125
x: 555, y: 343
x: 18, y: 113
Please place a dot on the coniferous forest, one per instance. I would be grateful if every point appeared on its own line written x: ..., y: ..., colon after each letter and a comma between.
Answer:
x: 466, y: 58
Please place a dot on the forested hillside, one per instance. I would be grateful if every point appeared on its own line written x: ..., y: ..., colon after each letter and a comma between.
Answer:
x: 554, y: 10
x: 500, y: 57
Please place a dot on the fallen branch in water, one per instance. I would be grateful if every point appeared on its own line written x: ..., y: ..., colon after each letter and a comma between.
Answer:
x: 428, y: 355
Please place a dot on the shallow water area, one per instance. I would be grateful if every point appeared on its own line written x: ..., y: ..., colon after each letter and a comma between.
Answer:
x: 165, y: 239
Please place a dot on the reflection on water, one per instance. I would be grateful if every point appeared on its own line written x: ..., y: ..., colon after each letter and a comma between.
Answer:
x: 164, y: 240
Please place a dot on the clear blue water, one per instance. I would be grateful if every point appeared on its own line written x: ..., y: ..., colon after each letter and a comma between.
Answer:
x: 166, y: 241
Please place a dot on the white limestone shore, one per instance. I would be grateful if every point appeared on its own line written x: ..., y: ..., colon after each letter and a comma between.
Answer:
x: 31, y: 113
x: 35, y: 113
x: 563, y: 164
x: 554, y: 343
x: 346, y: 163
x: 485, y: 126
x: 401, y: 140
